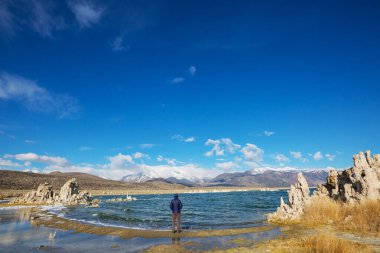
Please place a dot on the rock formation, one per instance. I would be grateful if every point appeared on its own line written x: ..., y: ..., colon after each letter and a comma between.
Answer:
x: 360, y: 182
x: 298, y: 196
x: 68, y: 195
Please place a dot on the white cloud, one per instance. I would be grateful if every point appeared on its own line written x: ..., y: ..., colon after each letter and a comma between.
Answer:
x: 280, y: 158
x: 86, y: 13
x: 36, y: 98
x: 268, y: 133
x: 318, y: 156
x: 8, y: 163
x: 221, y: 146
x: 178, y: 80
x: 29, y: 141
x: 147, y: 145
x: 298, y: 155
x: 32, y: 157
x: 330, y: 157
x: 252, y: 153
x: 179, y: 137
x: 227, y: 166
x: 118, y: 44
x: 189, y: 139
x: 85, y: 148
x: 192, y: 70
x: 118, y: 161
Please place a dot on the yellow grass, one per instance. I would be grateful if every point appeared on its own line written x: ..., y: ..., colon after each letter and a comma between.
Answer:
x: 363, y: 217
x: 326, y: 243
x: 318, y: 243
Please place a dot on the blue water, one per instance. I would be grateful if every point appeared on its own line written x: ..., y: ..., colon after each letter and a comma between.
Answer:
x: 200, y: 210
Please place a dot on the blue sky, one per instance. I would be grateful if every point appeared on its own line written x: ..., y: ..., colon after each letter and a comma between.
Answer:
x: 161, y: 84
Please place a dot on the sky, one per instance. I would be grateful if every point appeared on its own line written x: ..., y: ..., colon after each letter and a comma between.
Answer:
x: 120, y: 87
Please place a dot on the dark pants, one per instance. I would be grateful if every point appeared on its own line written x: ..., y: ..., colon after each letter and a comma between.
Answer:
x: 176, y: 221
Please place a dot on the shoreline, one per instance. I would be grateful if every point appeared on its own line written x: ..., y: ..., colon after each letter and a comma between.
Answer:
x: 107, y: 192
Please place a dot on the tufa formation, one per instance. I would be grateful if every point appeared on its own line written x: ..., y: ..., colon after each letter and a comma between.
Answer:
x: 68, y: 195
x: 360, y: 182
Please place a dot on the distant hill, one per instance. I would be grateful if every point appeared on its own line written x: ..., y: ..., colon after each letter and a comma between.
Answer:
x: 268, y: 178
x: 16, y: 180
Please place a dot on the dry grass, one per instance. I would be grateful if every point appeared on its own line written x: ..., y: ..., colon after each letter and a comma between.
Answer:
x: 325, y: 243
x: 363, y: 217
x: 318, y: 243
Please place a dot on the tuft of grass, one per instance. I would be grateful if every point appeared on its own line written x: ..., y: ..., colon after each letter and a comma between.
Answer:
x: 363, y: 217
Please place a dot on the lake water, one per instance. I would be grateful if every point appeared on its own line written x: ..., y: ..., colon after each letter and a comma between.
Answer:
x: 200, y: 210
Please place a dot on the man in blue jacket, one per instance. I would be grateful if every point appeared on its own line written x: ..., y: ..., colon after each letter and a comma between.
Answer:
x: 176, y: 206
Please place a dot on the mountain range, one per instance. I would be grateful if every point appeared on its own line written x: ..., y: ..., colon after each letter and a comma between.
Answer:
x: 260, y: 177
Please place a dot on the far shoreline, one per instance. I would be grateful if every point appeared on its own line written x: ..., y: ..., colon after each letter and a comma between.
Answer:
x: 107, y: 192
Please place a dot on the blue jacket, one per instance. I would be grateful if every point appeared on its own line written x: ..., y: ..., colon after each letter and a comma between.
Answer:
x: 176, y: 205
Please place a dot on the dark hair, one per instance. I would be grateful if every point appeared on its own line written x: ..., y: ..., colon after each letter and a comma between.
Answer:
x: 176, y: 196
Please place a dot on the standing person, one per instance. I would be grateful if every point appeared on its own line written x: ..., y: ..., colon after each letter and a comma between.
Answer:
x: 176, y: 206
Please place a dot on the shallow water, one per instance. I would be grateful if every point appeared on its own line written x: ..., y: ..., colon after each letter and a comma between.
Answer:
x: 20, y: 234
x: 200, y: 210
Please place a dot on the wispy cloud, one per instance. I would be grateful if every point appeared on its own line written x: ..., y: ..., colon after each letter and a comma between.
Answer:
x: 227, y: 166
x: 147, y: 145
x: 221, y: 147
x: 179, y: 137
x: 178, y: 80
x: 192, y: 70
x: 36, y: 98
x: 29, y: 141
x: 7, y: 22
x: 36, y: 15
x: 330, y: 157
x: 85, y: 148
x: 118, y: 44
x: 44, y: 21
x: 5, y: 134
x: 268, y: 133
x: 86, y: 13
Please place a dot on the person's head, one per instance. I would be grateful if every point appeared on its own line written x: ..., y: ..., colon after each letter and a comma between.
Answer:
x: 176, y: 196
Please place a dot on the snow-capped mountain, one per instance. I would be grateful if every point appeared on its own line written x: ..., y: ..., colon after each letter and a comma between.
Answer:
x: 187, y: 174
x: 258, y: 177
x: 269, y: 177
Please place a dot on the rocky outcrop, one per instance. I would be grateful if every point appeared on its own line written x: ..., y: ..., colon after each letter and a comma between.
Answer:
x: 298, y: 195
x: 68, y: 195
x: 360, y: 182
